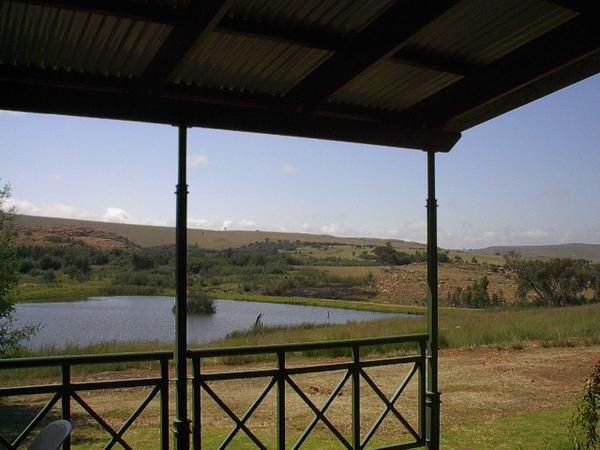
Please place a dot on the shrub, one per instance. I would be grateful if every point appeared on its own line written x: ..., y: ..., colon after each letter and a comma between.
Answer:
x: 474, y: 296
x: 585, y: 426
x: 198, y: 302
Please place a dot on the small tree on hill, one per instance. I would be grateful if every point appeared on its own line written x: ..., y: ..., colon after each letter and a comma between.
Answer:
x: 10, y: 336
x: 474, y: 296
x: 553, y: 282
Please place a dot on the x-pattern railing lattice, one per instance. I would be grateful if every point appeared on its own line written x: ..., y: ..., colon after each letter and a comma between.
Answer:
x: 68, y: 390
x: 281, y: 377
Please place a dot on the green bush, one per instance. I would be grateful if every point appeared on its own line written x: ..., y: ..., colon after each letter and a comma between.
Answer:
x: 585, y: 426
x: 474, y: 296
x: 198, y: 302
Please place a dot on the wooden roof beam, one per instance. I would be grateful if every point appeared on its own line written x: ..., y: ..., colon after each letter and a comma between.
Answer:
x: 86, y: 103
x: 197, y: 23
x: 327, y: 41
x: 381, y: 39
x: 550, y: 53
x: 587, y: 7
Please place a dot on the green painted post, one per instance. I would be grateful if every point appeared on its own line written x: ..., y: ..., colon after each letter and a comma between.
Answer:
x: 433, y: 395
x: 356, y: 397
x: 164, y: 403
x: 281, y: 375
x: 181, y: 423
x: 66, y: 400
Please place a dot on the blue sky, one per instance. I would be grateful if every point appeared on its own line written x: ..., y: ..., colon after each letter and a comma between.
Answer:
x: 528, y: 177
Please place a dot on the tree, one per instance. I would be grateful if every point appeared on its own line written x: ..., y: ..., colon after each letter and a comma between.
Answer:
x: 553, y: 282
x: 10, y: 336
x: 474, y: 296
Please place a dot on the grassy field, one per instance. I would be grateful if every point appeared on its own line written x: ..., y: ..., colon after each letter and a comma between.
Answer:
x: 71, y: 290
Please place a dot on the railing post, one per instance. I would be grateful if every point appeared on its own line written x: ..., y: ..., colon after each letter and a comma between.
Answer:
x: 433, y: 396
x: 356, y: 398
x: 66, y: 400
x: 197, y: 411
x: 164, y: 403
x: 181, y: 424
x: 281, y: 375
x: 422, y: 389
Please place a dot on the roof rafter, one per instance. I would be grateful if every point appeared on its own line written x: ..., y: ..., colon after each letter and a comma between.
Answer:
x: 174, y: 110
x: 118, y: 8
x: 569, y: 42
x: 312, y: 38
x: 580, y: 6
x: 322, y: 40
x: 382, y: 38
x: 199, y: 21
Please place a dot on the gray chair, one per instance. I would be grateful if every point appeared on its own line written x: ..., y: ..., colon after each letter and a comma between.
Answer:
x: 52, y: 436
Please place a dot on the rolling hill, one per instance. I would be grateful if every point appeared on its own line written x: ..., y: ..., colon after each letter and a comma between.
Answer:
x: 149, y: 236
x: 578, y: 251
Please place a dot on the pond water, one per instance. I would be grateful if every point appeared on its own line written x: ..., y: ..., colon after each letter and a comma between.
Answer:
x: 139, y: 318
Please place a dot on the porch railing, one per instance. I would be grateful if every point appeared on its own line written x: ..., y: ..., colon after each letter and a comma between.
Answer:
x: 68, y: 391
x: 280, y: 377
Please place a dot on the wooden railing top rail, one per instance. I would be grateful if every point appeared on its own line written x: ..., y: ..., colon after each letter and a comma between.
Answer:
x: 102, y: 358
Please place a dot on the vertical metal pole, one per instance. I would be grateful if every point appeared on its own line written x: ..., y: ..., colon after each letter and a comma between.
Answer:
x: 66, y: 400
x: 433, y: 396
x: 281, y: 376
x: 181, y: 423
x: 164, y: 403
x: 197, y: 412
x: 356, y: 398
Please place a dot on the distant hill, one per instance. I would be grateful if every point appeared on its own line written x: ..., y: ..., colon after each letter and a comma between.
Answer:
x: 149, y: 236
x: 578, y: 251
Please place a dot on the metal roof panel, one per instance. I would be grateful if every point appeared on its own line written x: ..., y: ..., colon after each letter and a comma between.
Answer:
x: 393, y: 86
x: 341, y: 16
x: 242, y: 63
x: 65, y: 39
x: 481, y: 31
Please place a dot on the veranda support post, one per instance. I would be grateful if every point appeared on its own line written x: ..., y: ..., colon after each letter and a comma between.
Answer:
x: 181, y: 423
x: 433, y: 395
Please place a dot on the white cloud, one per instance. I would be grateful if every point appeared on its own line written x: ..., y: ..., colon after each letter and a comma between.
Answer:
x: 227, y: 223
x: 198, y: 223
x: 331, y: 228
x: 49, y: 210
x: 198, y: 159
x: 116, y: 215
x: 110, y: 214
x: 246, y: 223
x: 6, y: 112
x: 289, y: 168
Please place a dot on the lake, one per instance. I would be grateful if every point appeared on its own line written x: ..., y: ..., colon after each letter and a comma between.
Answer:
x: 139, y: 318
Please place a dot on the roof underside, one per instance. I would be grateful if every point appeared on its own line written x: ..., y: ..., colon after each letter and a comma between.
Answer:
x: 388, y: 72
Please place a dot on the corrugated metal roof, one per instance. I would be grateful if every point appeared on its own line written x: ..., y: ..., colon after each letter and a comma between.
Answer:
x: 243, y: 63
x: 173, y: 4
x: 340, y: 16
x: 394, y: 86
x: 481, y: 31
x: 38, y: 36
